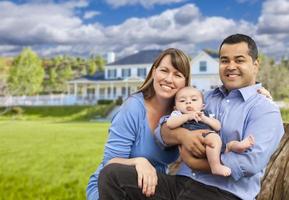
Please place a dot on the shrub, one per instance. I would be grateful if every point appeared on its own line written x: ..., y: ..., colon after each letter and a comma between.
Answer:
x: 104, y: 101
x: 118, y: 101
x: 17, y: 110
x: 285, y: 115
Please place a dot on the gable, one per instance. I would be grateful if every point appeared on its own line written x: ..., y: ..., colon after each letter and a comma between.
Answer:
x: 203, y: 63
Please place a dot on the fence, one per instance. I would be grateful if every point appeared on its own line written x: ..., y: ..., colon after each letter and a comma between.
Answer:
x: 47, y: 100
x: 65, y: 100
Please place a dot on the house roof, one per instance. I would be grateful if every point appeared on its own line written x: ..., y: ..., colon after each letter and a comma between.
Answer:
x: 97, y: 76
x: 142, y: 57
x: 212, y: 53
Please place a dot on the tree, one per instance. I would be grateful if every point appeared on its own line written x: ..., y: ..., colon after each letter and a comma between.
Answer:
x: 100, y: 62
x: 275, y: 183
x: 26, y: 75
x: 58, y: 71
x: 271, y: 75
x: 91, y: 67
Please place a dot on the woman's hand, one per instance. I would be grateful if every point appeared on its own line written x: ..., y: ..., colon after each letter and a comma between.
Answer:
x: 147, y: 176
x: 265, y: 92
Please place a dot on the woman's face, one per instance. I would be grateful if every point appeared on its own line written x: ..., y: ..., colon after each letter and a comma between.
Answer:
x: 166, y: 79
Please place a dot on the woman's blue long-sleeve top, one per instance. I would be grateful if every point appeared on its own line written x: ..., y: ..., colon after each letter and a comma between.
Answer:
x: 129, y: 137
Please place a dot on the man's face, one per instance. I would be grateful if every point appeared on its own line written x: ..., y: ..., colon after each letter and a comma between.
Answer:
x: 237, y: 68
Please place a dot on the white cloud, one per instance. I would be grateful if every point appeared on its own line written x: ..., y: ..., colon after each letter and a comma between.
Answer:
x: 247, y: 1
x: 34, y: 24
x: 272, y: 27
x: 166, y: 28
x: 274, y: 17
x: 90, y: 14
x: 76, y: 4
x: 9, y: 50
x: 58, y: 29
x: 52, y: 28
x: 144, y: 3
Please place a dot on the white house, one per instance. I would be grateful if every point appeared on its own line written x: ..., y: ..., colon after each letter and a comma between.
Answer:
x: 205, y: 71
x: 122, y: 77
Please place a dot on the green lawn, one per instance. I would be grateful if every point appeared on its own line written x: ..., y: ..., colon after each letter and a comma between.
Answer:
x: 44, y: 157
x: 46, y: 160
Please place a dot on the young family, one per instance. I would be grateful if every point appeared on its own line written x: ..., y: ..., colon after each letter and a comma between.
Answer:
x: 225, y: 139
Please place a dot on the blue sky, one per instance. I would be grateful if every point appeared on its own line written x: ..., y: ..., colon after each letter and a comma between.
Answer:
x: 84, y: 27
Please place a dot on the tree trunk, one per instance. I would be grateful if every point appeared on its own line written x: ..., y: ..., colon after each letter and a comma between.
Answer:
x: 275, y: 183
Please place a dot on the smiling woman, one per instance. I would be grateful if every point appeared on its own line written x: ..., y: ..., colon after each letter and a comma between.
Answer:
x: 131, y: 142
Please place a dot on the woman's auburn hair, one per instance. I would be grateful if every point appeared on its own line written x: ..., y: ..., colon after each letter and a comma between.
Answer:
x: 180, y: 62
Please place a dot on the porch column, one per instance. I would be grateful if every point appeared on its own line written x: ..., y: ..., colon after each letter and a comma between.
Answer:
x: 96, y: 95
x: 126, y: 89
x: 111, y: 91
x: 68, y: 89
x: 75, y: 89
x: 84, y: 88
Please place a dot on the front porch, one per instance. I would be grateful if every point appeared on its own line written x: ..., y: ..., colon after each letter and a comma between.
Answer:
x: 103, y: 90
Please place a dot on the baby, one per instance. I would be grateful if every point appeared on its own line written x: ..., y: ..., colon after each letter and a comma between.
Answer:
x: 189, y: 113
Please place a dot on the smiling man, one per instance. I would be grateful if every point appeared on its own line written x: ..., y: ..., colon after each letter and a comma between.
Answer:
x: 239, y: 64
x: 242, y: 112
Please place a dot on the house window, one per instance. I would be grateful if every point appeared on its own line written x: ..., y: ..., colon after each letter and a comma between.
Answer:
x: 125, y: 73
x: 141, y: 72
x: 101, y: 93
x: 123, y: 91
x: 203, y: 66
x: 108, y: 92
x: 114, y: 92
x: 128, y: 90
x: 90, y: 91
x: 111, y: 73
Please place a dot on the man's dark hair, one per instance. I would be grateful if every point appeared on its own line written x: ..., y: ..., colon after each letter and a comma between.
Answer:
x: 237, y: 38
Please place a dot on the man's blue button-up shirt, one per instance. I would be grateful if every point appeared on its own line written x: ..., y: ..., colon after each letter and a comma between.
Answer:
x: 242, y: 112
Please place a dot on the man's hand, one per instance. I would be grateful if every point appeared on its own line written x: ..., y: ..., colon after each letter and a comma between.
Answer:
x: 193, y: 162
x: 194, y: 142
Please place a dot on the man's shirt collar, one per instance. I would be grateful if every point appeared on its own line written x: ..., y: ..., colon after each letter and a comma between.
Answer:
x: 245, y: 92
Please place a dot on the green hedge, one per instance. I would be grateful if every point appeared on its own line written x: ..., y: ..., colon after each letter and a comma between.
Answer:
x: 66, y: 113
x: 285, y: 115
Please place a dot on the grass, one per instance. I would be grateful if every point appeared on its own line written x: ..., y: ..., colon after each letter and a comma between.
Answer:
x: 45, y: 160
x: 43, y: 156
x: 59, y: 113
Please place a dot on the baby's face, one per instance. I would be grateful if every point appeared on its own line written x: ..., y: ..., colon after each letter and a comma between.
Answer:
x: 189, y: 100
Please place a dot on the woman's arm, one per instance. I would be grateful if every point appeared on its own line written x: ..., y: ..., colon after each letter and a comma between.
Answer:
x: 126, y: 161
x: 265, y: 92
x: 123, y: 134
x: 147, y: 175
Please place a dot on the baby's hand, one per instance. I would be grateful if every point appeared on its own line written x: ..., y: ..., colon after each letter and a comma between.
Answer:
x: 201, y: 116
x: 194, y: 116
